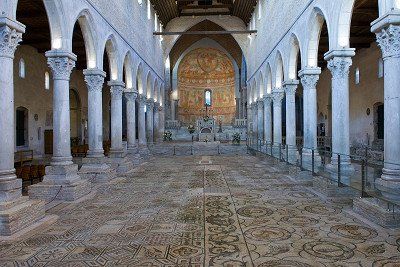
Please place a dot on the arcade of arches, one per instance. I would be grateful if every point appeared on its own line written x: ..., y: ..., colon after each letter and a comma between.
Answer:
x: 204, y: 133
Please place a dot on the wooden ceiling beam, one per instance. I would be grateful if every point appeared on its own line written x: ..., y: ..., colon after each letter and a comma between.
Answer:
x: 204, y: 32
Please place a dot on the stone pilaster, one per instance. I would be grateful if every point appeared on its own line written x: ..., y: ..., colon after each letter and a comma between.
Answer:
x: 131, y: 121
x: 150, y: 120
x: 339, y: 62
x: 309, y: 78
x: 290, y: 88
x: 95, y: 166
x: 277, y: 96
x: 61, y: 181
x: 116, y: 90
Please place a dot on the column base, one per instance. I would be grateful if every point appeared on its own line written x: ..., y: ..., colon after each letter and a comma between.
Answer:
x: 307, y: 161
x: 331, y: 192
x: 377, y: 211
x: 132, y: 149
x: 96, y: 170
x: 117, y: 153
x: 346, y: 172
x: 60, y: 183
x: 123, y: 166
x: 20, y: 214
x: 144, y: 151
x: 389, y: 184
x: 292, y: 155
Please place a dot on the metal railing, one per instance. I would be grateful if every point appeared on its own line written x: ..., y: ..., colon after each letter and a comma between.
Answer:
x: 357, y: 173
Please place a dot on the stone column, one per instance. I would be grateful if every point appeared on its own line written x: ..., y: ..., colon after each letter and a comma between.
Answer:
x: 162, y: 124
x: 16, y: 212
x: 339, y: 62
x: 277, y: 96
x: 143, y: 149
x: 254, y: 120
x: 309, y: 78
x: 290, y: 90
x: 173, y: 109
x: 61, y: 181
x: 150, y: 120
x: 156, y: 122
x: 267, y: 120
x: 116, y: 90
x: 260, y: 119
x: 95, y: 167
x: 131, y: 121
x: 94, y: 79
x: 388, y: 37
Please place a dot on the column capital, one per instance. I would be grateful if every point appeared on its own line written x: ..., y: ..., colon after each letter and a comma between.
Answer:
x: 277, y: 97
x: 309, y: 77
x: 61, y: 63
x: 267, y: 99
x: 339, y: 67
x: 142, y: 100
x: 131, y: 96
x: 94, y: 79
x: 260, y: 103
x: 116, y: 89
x: 150, y: 103
x: 156, y: 107
x: 388, y: 40
x: 10, y: 36
x: 290, y: 86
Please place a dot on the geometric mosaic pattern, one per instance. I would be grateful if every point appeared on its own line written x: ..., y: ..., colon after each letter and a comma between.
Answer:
x: 205, y: 211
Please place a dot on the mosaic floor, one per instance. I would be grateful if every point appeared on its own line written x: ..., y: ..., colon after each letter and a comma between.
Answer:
x: 204, y: 211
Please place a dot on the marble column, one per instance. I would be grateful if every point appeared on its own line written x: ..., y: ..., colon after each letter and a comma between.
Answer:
x: 339, y: 62
x: 150, y: 120
x: 156, y: 122
x: 131, y: 121
x: 94, y: 79
x: 290, y: 90
x: 61, y: 181
x: 277, y: 96
x: 260, y: 119
x: 388, y: 38
x: 173, y: 109
x: 254, y: 121
x: 95, y: 167
x: 267, y: 120
x: 309, y: 78
x: 162, y: 124
x: 16, y: 212
x: 116, y: 90
x: 143, y: 149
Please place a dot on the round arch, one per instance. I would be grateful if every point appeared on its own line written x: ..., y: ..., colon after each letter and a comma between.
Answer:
x: 128, y: 71
x: 110, y: 46
x: 294, y: 51
x: 139, y: 78
x: 279, y: 77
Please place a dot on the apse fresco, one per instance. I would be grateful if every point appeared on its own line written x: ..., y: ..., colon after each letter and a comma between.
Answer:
x: 206, y: 69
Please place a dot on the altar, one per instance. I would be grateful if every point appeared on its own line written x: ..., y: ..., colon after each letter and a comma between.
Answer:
x: 206, y: 129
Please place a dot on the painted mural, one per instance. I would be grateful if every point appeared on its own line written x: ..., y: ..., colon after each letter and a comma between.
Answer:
x: 206, y: 69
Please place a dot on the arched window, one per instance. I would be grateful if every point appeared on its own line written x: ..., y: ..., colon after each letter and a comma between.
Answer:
x: 208, y: 98
x: 357, y: 76
x: 46, y: 81
x: 380, y: 68
x: 139, y: 2
x: 155, y: 22
x: 259, y: 10
x: 22, y: 68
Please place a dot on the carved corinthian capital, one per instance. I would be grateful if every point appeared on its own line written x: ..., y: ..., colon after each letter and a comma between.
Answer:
x: 389, y: 41
x: 150, y: 104
x: 116, y: 89
x: 94, y: 79
x: 131, y: 96
x: 61, y: 64
x: 142, y: 100
x: 277, y: 97
x: 309, y: 81
x: 340, y: 67
x: 9, y: 41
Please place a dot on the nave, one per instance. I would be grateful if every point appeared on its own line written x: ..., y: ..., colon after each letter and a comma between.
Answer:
x: 231, y: 210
